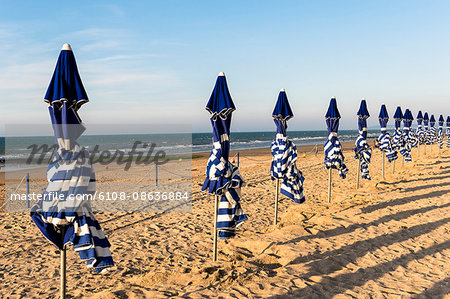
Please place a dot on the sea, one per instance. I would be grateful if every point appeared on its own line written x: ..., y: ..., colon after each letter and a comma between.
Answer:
x: 18, y: 148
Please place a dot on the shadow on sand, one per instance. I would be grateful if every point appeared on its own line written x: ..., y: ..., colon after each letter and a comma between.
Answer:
x: 332, y: 286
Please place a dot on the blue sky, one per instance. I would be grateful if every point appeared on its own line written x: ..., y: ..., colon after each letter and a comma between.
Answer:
x: 157, y: 61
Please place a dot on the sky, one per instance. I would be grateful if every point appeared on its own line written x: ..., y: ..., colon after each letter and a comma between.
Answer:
x: 145, y: 62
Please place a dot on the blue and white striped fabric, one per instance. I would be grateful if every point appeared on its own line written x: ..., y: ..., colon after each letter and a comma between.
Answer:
x: 397, y: 138
x: 412, y: 138
x: 64, y: 214
x: 448, y: 131
x: 284, y: 153
x: 408, y: 138
x: 420, y: 132
x: 384, y: 140
x: 284, y: 156
x: 66, y: 202
x: 334, y: 158
x: 230, y: 214
x: 432, y: 133
x: 428, y: 138
x: 363, y: 152
x: 222, y: 177
x: 440, y: 133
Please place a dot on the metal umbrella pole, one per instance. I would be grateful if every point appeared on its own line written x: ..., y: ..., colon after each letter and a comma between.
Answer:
x: 276, y: 202
x: 216, y: 207
x: 62, y: 289
x: 329, y: 185
x: 359, y: 172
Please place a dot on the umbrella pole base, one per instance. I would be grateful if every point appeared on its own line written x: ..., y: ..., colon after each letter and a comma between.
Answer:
x: 216, y: 206
x: 63, y: 274
x: 329, y: 185
x: 358, y: 174
x: 275, y: 220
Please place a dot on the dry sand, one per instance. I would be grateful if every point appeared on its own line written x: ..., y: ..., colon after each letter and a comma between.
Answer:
x: 388, y: 239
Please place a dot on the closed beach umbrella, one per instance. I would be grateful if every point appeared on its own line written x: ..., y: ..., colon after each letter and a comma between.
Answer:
x: 448, y: 131
x: 412, y: 139
x: 59, y: 217
x: 397, y: 137
x: 384, y: 140
x: 420, y: 132
x: 440, y: 132
x: 284, y: 156
x: 363, y: 152
x: 334, y: 158
x: 282, y: 113
x: 432, y: 130
x: 223, y: 178
x: 426, y: 120
x: 397, y: 140
x: 408, y: 138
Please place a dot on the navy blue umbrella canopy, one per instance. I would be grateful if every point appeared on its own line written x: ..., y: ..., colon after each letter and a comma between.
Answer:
x: 448, y: 121
x: 383, y: 117
x: 432, y: 120
x: 282, y: 112
x: 332, y: 116
x: 363, y: 114
x: 419, y: 118
x: 220, y: 102
x: 398, y: 116
x: 425, y: 119
x: 66, y: 85
x: 65, y: 95
x: 407, y: 118
x: 220, y: 105
x: 441, y: 120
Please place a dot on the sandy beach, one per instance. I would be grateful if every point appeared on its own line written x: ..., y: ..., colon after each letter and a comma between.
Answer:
x: 388, y: 239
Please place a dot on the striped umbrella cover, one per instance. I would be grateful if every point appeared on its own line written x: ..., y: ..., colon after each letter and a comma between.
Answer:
x: 284, y: 153
x: 334, y: 158
x: 440, y: 133
x: 432, y: 132
x: 413, y: 139
x: 65, y: 205
x: 397, y: 140
x: 448, y: 131
x: 363, y: 151
x: 420, y: 132
x: 426, y: 119
x: 408, y: 138
x: 384, y: 140
x: 222, y: 177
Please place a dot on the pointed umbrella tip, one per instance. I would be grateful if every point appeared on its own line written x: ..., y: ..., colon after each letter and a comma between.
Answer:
x: 221, y: 74
x: 282, y: 90
x: 66, y: 47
